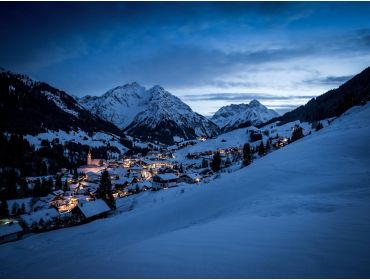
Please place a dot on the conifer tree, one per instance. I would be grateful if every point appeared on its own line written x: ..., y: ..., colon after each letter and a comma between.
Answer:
x: 247, y: 154
x: 261, y: 149
x: 297, y: 133
x: 58, y: 182
x: 319, y: 126
x: 105, y: 190
x: 216, y: 162
x: 205, y: 163
x: 4, y: 212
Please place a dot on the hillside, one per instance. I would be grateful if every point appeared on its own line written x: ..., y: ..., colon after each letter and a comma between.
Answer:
x: 299, y: 212
x: 31, y: 107
x: 332, y: 103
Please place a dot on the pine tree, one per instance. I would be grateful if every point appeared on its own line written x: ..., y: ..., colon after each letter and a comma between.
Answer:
x: 65, y: 186
x: 247, y: 154
x: 4, y: 212
x: 205, y: 163
x: 268, y: 145
x: 216, y: 162
x: 15, y: 209
x: 105, y: 190
x: 75, y: 174
x: 23, y: 209
x: 37, y: 188
x: 297, y: 133
x: 261, y: 149
x: 58, y: 182
x: 319, y: 126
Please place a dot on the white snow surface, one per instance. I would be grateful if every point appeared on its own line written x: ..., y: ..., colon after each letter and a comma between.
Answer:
x: 231, y: 116
x: 93, y: 208
x: 98, y: 139
x: 10, y: 228
x: 299, y: 212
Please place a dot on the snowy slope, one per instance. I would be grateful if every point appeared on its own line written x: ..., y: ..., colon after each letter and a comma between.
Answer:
x: 234, y: 115
x: 31, y: 107
x: 299, y: 212
x: 119, y: 105
x: 98, y: 139
x: 153, y: 114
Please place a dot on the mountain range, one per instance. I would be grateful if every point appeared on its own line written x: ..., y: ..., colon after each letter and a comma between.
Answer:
x: 237, y: 115
x: 150, y: 114
x: 31, y: 107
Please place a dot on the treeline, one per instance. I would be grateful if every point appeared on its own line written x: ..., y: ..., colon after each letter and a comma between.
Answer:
x: 20, y: 159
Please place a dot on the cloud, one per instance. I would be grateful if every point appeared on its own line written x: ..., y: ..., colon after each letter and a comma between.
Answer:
x: 329, y: 80
x: 241, y: 97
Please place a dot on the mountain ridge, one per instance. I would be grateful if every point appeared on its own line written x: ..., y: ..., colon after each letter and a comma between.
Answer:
x: 152, y: 114
x: 238, y: 115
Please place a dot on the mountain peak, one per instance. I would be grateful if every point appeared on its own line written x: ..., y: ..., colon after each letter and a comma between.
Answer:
x: 154, y: 114
x: 238, y: 115
x: 255, y: 102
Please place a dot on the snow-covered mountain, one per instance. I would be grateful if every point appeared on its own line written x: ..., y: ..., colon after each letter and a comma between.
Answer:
x: 237, y: 115
x: 153, y: 114
x: 299, y: 212
x: 31, y: 107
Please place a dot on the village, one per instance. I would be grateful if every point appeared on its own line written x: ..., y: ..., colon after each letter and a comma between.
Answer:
x: 77, y: 202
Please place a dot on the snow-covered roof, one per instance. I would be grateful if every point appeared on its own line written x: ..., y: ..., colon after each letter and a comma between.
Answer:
x: 136, y: 167
x: 193, y: 176
x: 35, y: 217
x: 10, y: 228
x: 58, y: 192
x: 93, y: 208
x: 167, y: 176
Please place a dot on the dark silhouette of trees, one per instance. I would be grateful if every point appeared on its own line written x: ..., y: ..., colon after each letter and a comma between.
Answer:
x: 216, y: 162
x: 105, y: 190
x: 247, y: 154
x: 297, y: 133
x: 261, y: 149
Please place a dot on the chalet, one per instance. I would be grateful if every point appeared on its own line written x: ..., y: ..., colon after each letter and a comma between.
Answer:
x: 10, y: 232
x: 140, y: 187
x: 190, y: 178
x: 135, y: 171
x: 39, y: 217
x: 93, y: 177
x: 163, y: 181
x: 88, y: 211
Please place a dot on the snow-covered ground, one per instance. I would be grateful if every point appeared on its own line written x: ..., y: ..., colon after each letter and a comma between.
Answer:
x: 301, y: 211
x: 98, y: 139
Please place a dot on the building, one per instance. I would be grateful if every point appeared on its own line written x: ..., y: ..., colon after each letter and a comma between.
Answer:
x: 190, y: 178
x: 88, y: 211
x: 93, y: 162
x: 163, y: 181
x: 89, y: 158
x: 10, y: 232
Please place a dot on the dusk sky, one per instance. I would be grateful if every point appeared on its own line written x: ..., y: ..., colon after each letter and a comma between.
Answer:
x: 209, y: 54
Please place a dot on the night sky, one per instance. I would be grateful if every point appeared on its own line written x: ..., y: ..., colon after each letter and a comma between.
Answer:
x: 208, y: 53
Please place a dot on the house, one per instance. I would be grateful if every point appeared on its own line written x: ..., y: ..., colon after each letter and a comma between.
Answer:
x: 93, y: 177
x: 135, y: 171
x: 190, y: 178
x: 163, y: 181
x: 10, y: 232
x: 88, y: 211
x: 39, y: 218
x: 140, y: 187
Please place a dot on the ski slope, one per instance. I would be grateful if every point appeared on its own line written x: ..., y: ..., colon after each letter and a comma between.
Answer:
x: 299, y: 212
